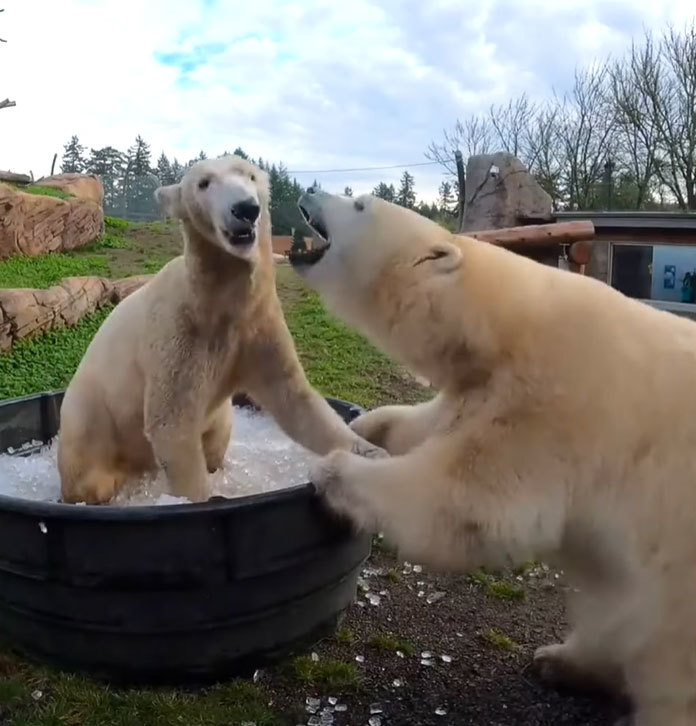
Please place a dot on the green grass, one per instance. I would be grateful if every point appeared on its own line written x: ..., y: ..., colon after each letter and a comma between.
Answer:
x: 67, y: 700
x: 47, y: 270
x: 390, y: 643
x: 344, y: 636
x: 45, y: 191
x: 496, y: 588
x: 498, y: 639
x: 340, y: 362
x: 49, y: 360
x: 326, y: 673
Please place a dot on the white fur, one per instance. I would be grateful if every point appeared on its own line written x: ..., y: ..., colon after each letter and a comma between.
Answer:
x: 153, y: 388
x: 563, y: 429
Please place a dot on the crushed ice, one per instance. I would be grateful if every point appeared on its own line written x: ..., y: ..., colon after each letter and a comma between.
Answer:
x: 260, y: 458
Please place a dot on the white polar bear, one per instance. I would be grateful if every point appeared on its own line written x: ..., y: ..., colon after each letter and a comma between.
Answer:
x: 563, y: 429
x: 153, y: 388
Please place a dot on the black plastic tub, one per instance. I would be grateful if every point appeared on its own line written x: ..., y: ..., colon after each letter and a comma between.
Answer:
x: 168, y: 594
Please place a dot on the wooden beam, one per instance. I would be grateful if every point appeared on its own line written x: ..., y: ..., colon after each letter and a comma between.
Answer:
x: 538, y: 235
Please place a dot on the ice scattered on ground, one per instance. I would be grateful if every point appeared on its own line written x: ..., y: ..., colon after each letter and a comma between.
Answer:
x: 260, y: 458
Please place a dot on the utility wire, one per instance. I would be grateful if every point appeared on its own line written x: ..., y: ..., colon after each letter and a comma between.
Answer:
x: 367, y: 168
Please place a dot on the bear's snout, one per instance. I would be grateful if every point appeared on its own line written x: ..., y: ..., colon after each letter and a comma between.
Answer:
x: 247, y: 210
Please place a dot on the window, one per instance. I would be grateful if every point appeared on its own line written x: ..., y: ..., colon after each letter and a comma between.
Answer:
x: 663, y: 274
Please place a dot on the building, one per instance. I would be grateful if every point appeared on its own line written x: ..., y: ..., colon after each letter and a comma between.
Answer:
x: 650, y: 256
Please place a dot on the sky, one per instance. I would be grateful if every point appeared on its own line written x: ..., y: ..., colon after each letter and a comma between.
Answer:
x: 317, y: 84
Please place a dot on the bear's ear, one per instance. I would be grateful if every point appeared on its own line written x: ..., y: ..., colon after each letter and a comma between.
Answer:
x: 169, y: 200
x: 442, y: 257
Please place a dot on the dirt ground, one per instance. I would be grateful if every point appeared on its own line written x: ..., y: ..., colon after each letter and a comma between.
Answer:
x: 423, y: 649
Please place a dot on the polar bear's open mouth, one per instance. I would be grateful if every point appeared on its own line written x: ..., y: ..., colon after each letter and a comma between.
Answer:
x: 240, y: 237
x: 311, y: 256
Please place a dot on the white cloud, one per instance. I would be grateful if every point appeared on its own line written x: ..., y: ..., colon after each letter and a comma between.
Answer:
x: 314, y: 83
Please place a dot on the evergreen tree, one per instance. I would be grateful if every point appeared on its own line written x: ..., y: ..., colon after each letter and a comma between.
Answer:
x: 447, y: 199
x: 240, y: 152
x: 406, y: 195
x: 73, y: 157
x: 140, y: 182
x: 108, y: 164
x: 177, y: 171
x: 385, y: 191
x: 165, y: 171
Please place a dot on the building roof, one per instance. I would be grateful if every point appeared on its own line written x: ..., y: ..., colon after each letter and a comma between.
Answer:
x: 672, y: 221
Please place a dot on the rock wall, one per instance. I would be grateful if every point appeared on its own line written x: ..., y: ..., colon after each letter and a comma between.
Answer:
x: 32, y: 224
x: 82, y: 186
x: 25, y: 312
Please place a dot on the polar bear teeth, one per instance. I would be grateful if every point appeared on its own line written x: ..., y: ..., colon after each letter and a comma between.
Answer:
x: 307, y: 257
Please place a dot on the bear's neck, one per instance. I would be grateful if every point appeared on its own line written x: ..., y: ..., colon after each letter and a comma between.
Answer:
x: 211, y: 270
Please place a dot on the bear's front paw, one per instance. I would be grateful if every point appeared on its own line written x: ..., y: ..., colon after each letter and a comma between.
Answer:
x: 361, y: 447
x: 333, y: 482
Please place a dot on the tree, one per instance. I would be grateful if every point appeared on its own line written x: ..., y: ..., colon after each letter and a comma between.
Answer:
x: 385, y: 191
x: 109, y: 164
x: 164, y: 170
x: 177, y: 171
x: 446, y: 199
x: 140, y: 181
x: 348, y: 192
x: 406, y: 196
x: 73, y: 160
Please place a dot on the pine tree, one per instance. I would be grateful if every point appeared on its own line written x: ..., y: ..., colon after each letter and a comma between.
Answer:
x: 447, y: 199
x: 177, y: 171
x: 164, y: 170
x: 140, y: 182
x: 108, y: 163
x: 385, y: 191
x: 73, y: 160
x: 406, y: 195
x: 240, y: 152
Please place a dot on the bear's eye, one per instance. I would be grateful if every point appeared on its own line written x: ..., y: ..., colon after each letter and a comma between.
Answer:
x: 204, y: 183
x: 360, y: 206
x: 253, y: 177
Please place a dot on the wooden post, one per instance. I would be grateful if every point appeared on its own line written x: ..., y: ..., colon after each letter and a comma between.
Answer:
x: 53, y: 163
x: 461, y: 180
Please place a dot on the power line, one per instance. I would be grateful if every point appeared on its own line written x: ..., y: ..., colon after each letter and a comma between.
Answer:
x: 367, y: 168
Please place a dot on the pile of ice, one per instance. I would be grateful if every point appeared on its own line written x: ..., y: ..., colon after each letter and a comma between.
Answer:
x: 260, y: 458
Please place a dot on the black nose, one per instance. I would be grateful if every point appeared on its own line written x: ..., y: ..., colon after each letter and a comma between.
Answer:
x: 247, y: 210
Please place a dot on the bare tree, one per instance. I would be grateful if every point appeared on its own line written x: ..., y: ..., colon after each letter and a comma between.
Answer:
x: 472, y: 136
x: 637, y: 131
x: 586, y: 123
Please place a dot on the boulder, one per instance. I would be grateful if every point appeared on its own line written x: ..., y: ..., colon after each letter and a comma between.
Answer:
x: 82, y: 186
x: 33, y: 224
x: 27, y: 311
x: 500, y: 192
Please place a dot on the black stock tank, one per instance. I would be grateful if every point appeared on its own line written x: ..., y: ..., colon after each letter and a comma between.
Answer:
x: 168, y: 594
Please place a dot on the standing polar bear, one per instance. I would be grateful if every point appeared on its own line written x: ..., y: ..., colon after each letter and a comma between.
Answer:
x: 563, y: 430
x: 154, y: 386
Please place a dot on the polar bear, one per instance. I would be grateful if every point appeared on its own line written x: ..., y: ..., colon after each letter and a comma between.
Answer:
x: 562, y: 429
x: 154, y: 387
